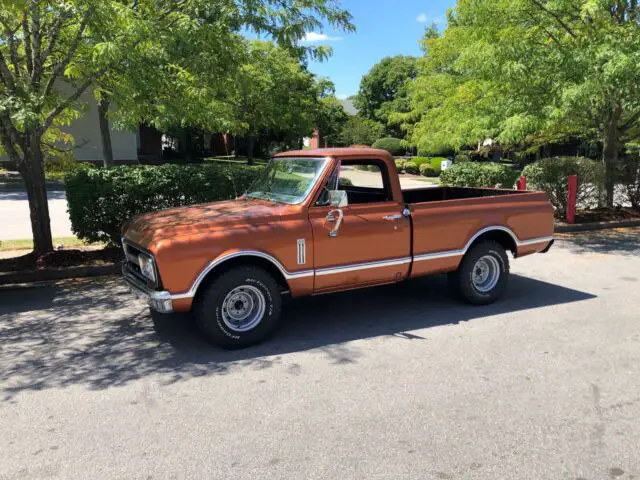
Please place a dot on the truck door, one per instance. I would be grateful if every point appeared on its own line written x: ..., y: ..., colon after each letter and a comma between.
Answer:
x: 372, y: 243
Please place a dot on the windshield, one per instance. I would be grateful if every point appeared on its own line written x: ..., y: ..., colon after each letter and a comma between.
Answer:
x: 287, y: 180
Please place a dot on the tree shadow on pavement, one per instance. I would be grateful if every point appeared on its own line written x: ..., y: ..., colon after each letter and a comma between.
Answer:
x: 625, y: 241
x: 93, y: 333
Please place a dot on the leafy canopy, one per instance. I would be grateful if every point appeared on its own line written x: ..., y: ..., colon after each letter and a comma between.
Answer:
x: 383, y: 90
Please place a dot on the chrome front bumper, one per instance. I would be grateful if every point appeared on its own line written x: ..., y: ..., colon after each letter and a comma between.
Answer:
x: 158, y: 301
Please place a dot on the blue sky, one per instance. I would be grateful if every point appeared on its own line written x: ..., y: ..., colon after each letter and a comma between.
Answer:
x: 383, y: 28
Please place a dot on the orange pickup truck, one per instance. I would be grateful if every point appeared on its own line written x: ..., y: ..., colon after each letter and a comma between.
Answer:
x: 320, y: 221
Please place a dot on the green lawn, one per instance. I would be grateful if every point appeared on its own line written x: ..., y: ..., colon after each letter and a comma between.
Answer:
x: 27, y: 243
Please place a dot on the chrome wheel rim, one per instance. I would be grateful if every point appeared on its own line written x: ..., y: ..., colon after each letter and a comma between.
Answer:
x: 486, y: 273
x: 243, y: 308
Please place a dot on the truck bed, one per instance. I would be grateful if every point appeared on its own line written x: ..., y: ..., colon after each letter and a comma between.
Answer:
x: 439, y: 194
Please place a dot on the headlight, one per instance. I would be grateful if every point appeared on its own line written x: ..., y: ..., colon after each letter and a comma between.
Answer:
x: 147, y: 267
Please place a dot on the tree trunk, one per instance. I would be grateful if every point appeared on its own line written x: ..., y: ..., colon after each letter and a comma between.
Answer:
x: 32, y: 170
x: 610, y: 154
x: 105, y: 132
x: 250, y: 147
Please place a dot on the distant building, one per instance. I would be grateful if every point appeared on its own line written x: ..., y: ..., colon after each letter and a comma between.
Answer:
x: 86, y: 133
x: 348, y: 106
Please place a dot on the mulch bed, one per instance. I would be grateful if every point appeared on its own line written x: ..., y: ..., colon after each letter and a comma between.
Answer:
x: 62, y: 259
x: 606, y: 215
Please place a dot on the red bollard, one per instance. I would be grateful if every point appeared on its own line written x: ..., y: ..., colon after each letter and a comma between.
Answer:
x: 522, y: 183
x: 572, y: 192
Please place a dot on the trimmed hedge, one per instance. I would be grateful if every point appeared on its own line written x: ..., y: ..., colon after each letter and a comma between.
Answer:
x: 400, y: 165
x: 550, y: 175
x: 101, y: 200
x: 412, y: 168
x: 392, y: 145
x: 427, y: 170
x: 472, y: 174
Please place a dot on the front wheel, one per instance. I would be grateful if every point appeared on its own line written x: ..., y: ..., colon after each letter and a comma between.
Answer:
x: 240, y: 308
x: 483, y: 274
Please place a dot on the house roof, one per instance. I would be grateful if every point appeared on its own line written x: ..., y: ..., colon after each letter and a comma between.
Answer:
x: 348, y: 106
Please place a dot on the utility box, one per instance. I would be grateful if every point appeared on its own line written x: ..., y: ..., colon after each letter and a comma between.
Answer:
x: 445, y: 164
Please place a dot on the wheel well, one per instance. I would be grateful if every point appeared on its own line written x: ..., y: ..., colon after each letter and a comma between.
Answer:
x: 244, y: 261
x: 500, y: 236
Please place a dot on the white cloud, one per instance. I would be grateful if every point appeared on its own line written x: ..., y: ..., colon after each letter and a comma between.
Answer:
x: 422, y: 18
x: 438, y: 20
x: 314, y: 37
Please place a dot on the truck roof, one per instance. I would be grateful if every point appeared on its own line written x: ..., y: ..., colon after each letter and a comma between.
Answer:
x: 337, y: 152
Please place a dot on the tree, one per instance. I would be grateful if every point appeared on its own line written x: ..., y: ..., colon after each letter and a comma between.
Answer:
x: 528, y: 72
x: 46, y: 43
x: 383, y: 91
x: 271, y: 93
x: 330, y: 117
x: 360, y: 131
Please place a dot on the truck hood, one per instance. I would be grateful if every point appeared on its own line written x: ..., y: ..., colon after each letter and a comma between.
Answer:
x: 198, y: 219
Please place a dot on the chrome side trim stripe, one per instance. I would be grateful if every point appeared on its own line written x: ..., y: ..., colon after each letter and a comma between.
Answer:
x: 244, y: 253
x: 533, y: 241
x: 363, y: 266
x: 436, y: 255
x: 459, y: 253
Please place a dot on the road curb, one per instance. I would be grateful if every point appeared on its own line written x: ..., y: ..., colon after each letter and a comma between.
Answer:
x: 586, y: 227
x: 48, y: 274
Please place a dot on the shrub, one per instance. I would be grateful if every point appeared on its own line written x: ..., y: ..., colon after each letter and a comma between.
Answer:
x: 400, y: 164
x: 101, y: 200
x: 550, y: 175
x: 630, y: 179
x: 461, y: 158
x: 57, y: 168
x: 391, y: 145
x: 411, y: 167
x: 471, y: 174
x: 420, y: 160
x: 427, y: 170
x: 436, y: 161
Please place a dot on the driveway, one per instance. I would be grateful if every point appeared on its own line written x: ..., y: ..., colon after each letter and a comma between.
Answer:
x: 14, y: 215
x: 393, y: 382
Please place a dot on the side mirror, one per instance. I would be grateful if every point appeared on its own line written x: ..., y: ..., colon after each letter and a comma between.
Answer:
x: 338, y: 198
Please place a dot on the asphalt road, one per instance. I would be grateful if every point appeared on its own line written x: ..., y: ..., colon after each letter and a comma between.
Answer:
x: 14, y: 215
x: 393, y: 382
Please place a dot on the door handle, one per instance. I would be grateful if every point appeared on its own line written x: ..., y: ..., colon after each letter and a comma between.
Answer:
x: 390, y: 218
x: 340, y: 216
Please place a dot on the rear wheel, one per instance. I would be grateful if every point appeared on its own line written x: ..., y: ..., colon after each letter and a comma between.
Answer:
x: 483, y: 274
x: 240, y: 308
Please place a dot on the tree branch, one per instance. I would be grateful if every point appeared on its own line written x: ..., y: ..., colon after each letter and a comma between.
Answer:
x: 72, y: 50
x: 36, y: 44
x: 5, y: 74
x: 555, y: 16
x: 629, y: 123
x: 13, y: 46
x: 27, y: 44
x: 65, y: 150
x: 10, y: 137
x: 53, y: 39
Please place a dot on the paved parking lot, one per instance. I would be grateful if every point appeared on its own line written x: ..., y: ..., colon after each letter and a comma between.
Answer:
x: 392, y: 382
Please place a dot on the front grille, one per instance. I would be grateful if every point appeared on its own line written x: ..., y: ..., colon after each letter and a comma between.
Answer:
x: 131, y: 264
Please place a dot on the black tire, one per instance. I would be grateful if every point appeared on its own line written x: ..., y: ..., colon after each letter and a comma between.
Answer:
x: 462, y: 280
x: 210, y: 309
